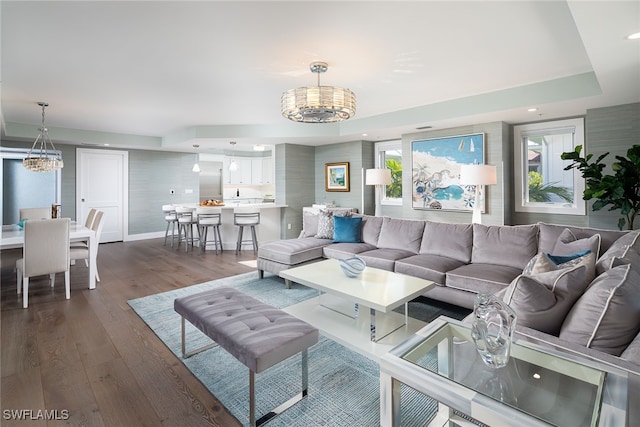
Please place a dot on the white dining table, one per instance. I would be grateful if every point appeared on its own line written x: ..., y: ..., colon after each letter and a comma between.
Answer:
x: 12, y: 236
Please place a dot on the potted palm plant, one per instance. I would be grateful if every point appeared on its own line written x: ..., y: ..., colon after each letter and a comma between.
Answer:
x: 618, y: 191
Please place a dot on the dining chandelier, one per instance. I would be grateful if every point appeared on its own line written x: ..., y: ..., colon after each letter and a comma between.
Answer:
x: 318, y: 104
x: 41, y: 158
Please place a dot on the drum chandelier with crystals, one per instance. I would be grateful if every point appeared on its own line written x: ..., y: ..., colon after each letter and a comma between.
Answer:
x: 318, y: 104
x: 41, y: 158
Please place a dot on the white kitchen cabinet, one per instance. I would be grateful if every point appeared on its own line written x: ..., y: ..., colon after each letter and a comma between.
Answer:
x: 267, y: 170
x: 251, y: 170
x: 256, y: 171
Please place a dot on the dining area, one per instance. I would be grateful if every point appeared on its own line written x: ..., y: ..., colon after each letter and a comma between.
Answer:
x: 42, y: 245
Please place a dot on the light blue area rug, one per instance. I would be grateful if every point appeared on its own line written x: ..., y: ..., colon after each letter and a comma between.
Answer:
x: 344, y: 386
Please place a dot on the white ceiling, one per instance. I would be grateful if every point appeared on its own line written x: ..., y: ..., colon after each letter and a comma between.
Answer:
x: 169, y: 74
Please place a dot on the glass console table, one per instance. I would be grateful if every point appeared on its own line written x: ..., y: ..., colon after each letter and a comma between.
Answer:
x: 539, y: 387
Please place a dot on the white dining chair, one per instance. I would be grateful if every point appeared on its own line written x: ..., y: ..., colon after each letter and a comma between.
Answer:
x: 88, y: 222
x: 82, y: 251
x: 45, y: 251
x: 209, y: 217
x: 35, y: 213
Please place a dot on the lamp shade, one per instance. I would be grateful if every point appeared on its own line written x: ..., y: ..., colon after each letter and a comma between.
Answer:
x: 478, y: 175
x: 378, y: 177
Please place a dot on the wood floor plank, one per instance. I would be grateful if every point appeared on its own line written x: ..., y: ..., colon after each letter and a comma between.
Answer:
x: 18, y: 328
x: 117, y: 392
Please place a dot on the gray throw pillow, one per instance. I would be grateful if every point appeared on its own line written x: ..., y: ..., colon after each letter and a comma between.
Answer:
x: 607, y: 316
x: 542, y: 301
x: 310, y: 224
x: 325, y: 222
x: 622, y: 249
x: 542, y: 263
x: 567, y: 244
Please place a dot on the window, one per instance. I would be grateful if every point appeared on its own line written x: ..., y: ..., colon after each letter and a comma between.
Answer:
x: 389, y: 155
x: 542, y: 184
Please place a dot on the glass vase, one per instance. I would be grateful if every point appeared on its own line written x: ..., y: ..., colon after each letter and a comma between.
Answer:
x: 492, y: 329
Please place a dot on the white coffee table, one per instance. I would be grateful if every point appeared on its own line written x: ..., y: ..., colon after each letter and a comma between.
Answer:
x: 336, y: 309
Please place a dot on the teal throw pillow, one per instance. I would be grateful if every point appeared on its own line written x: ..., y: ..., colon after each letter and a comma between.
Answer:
x: 346, y: 229
x: 561, y: 259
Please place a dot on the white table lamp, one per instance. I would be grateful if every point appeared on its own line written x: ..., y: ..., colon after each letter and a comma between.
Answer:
x: 478, y: 175
x: 378, y: 177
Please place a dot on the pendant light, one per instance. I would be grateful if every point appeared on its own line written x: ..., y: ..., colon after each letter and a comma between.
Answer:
x: 41, y: 158
x: 196, y: 166
x: 233, y: 166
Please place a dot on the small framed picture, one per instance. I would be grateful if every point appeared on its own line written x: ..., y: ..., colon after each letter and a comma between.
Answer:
x: 336, y: 176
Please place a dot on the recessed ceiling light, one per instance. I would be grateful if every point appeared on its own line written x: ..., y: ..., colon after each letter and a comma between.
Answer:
x: 634, y: 36
x: 531, y: 110
x: 364, y: 134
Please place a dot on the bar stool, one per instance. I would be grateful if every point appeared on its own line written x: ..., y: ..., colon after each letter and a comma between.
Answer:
x: 209, y: 217
x: 186, y: 220
x: 171, y: 218
x: 246, y: 217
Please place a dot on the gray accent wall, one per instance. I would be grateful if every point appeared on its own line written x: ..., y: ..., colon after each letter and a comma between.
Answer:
x: 613, y: 130
x: 498, y: 152
x: 152, y: 174
x: 295, y: 184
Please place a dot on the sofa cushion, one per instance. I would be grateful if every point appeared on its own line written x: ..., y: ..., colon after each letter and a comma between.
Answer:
x: 346, y: 229
x: 568, y: 244
x: 607, y: 316
x: 383, y: 258
x: 549, y: 234
x: 542, y: 301
x: 371, y: 226
x: 428, y: 267
x: 448, y: 240
x: 622, y: 248
x: 293, y: 251
x: 488, y: 278
x: 404, y: 234
x: 511, y: 246
x: 345, y: 250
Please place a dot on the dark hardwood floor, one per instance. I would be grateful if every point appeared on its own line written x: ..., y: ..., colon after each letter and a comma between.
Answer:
x: 92, y: 355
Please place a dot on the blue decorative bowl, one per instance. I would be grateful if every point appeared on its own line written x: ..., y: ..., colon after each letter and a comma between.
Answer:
x: 352, y: 267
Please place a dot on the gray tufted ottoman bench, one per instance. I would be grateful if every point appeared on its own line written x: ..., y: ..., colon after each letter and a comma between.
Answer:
x: 255, y: 333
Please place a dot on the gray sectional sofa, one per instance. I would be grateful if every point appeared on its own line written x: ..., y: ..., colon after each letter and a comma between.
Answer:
x: 590, y: 303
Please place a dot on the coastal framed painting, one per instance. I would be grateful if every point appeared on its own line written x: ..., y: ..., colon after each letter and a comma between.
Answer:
x: 435, y: 167
x: 336, y: 176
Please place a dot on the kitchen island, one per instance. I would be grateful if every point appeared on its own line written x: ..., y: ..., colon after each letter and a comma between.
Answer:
x: 269, y: 229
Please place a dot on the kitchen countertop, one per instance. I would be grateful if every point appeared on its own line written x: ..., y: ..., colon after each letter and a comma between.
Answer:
x: 231, y: 205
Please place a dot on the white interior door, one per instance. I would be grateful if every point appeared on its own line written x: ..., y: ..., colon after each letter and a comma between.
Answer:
x: 101, y: 183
